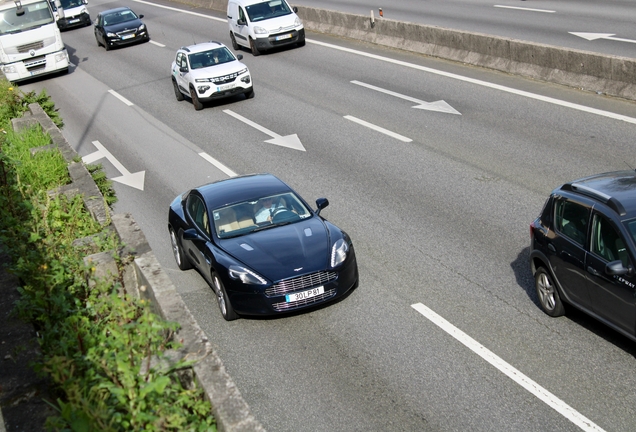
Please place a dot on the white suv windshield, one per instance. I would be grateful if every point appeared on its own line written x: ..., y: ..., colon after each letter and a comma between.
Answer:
x: 267, y: 10
x: 210, y: 58
x: 35, y: 15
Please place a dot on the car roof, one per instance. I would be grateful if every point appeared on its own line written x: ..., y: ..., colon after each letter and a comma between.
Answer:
x: 203, y: 46
x: 117, y: 9
x: 615, y: 189
x: 239, y: 189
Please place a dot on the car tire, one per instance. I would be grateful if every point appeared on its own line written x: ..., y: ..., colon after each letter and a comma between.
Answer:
x: 98, y: 42
x: 547, y: 293
x: 106, y: 46
x: 255, y: 51
x: 182, y: 261
x: 236, y: 46
x: 223, y: 301
x: 195, y: 99
x: 250, y: 94
x: 177, y: 92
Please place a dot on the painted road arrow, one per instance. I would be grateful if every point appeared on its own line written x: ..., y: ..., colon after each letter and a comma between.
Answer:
x: 594, y: 36
x: 439, y: 106
x: 135, y: 180
x: 289, y: 141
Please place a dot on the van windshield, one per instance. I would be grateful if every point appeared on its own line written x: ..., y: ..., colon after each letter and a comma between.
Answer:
x: 69, y: 4
x: 35, y: 15
x: 267, y: 9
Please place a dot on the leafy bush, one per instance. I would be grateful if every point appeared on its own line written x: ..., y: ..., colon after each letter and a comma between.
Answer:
x: 99, y: 345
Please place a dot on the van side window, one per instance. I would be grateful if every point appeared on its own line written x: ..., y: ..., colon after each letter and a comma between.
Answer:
x: 241, y: 14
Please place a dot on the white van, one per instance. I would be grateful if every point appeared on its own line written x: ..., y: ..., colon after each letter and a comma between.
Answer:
x: 261, y: 25
x: 73, y: 13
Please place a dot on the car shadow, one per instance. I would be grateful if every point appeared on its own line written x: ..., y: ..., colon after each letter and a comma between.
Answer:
x: 521, y: 268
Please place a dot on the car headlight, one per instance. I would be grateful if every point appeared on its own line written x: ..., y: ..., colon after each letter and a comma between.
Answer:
x: 339, y: 252
x: 298, y: 22
x: 260, y: 30
x: 141, y: 27
x: 246, y: 276
x: 242, y: 71
x: 9, y: 69
x: 111, y: 34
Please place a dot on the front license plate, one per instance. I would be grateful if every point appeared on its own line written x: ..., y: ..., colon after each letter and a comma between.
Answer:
x: 73, y: 21
x: 127, y: 37
x: 225, y: 87
x: 305, y: 294
x: 282, y: 37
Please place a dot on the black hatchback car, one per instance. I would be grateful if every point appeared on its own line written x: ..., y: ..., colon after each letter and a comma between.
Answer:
x: 583, y: 249
x: 260, y: 246
x: 119, y: 26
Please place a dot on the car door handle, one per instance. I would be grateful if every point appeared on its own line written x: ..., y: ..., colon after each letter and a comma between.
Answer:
x: 551, y: 247
x: 592, y: 270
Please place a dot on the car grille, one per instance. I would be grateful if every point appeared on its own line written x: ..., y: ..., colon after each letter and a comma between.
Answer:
x: 273, y: 41
x: 35, y: 63
x: 30, y: 46
x: 293, y: 305
x: 126, y: 32
x: 300, y: 283
x: 225, y: 78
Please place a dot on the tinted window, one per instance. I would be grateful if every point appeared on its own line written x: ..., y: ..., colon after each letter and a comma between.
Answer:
x: 607, y: 242
x: 267, y: 10
x: 196, y: 210
x: 571, y: 220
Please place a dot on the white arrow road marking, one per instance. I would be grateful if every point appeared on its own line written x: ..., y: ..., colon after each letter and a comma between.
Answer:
x: 481, y: 83
x: 524, y: 9
x: 120, y: 97
x: 542, y: 394
x: 594, y: 36
x: 378, y: 128
x: 290, y: 141
x: 439, y: 106
x: 135, y: 180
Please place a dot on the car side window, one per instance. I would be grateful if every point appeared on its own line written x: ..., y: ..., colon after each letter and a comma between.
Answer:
x: 571, y: 220
x: 607, y: 242
x: 196, y: 210
x: 241, y: 14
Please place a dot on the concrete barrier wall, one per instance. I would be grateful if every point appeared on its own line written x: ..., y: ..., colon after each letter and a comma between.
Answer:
x: 611, y: 75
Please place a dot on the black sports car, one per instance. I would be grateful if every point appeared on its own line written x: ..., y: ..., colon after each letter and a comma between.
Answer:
x: 119, y: 26
x: 260, y: 246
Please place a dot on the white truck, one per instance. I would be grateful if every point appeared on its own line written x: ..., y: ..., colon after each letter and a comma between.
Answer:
x: 30, y: 40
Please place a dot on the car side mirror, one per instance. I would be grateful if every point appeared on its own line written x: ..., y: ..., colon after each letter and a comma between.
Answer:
x: 321, y: 203
x: 141, y: 16
x: 239, y: 56
x: 295, y: 9
x: 191, y: 234
x: 617, y: 268
x: 240, y: 21
x: 85, y: 2
x: 183, y: 69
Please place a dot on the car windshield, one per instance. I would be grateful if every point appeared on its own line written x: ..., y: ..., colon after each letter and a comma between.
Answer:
x: 35, y: 15
x: 210, y: 58
x: 266, y: 212
x: 267, y: 10
x: 119, y: 17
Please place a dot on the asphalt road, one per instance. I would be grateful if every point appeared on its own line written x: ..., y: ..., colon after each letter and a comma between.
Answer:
x: 603, y: 26
x: 438, y: 210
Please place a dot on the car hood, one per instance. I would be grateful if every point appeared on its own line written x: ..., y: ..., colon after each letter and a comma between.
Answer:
x: 126, y: 25
x: 282, y: 252
x: 218, y: 70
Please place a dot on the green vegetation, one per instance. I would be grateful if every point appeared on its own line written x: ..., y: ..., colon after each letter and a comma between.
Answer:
x: 100, y: 345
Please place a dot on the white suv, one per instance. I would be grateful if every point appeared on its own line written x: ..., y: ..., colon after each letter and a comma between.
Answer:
x: 208, y: 71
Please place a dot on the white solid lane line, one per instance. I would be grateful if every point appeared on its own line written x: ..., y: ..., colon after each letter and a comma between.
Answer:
x: 378, y: 128
x: 218, y: 164
x: 544, y: 395
x: 524, y: 9
x: 120, y: 97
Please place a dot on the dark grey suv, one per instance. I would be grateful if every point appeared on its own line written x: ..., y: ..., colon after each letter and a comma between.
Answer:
x: 583, y: 249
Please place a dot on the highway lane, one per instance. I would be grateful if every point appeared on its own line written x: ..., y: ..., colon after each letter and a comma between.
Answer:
x: 441, y: 220
x: 543, y: 21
